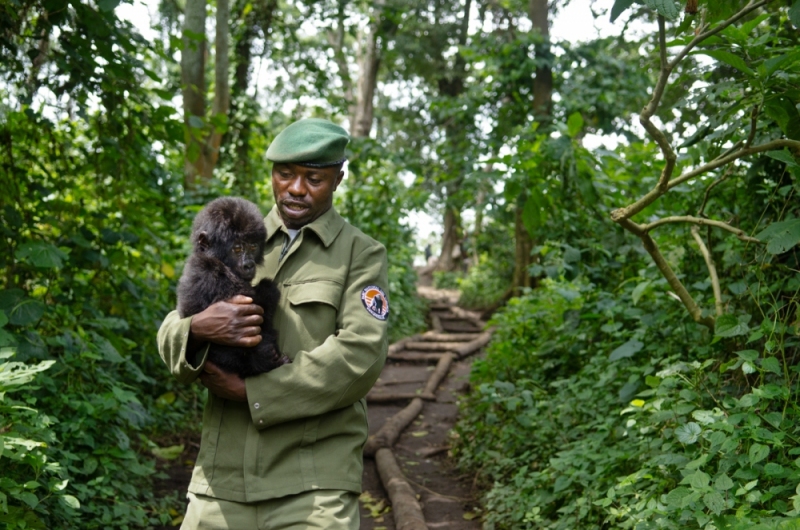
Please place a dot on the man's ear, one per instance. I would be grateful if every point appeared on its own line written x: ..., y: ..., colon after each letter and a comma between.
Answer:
x: 202, y: 241
x: 338, y: 180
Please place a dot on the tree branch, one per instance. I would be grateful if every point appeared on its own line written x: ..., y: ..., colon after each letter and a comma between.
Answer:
x: 666, y: 271
x: 629, y: 211
x: 701, y: 212
x: 749, y: 8
x: 712, y: 269
x: 738, y: 232
x: 647, y: 112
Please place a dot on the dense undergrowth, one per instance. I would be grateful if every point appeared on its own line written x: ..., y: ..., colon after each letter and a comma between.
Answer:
x: 601, y: 404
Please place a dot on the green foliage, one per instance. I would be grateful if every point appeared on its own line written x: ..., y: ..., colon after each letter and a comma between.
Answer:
x: 486, y: 282
x: 600, y: 403
x: 447, y: 279
x: 29, y: 478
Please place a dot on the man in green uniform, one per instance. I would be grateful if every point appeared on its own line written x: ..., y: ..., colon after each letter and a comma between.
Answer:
x: 284, y: 449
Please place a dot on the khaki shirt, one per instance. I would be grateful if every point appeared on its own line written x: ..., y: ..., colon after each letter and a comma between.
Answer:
x: 305, y: 423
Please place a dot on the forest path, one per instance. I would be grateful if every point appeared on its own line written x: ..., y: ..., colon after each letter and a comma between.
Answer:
x: 412, y: 411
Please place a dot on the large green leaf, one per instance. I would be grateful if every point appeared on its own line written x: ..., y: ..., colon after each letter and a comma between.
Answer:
x: 781, y: 236
x: 729, y: 59
x: 794, y: 13
x: 626, y: 350
x: 731, y: 326
x: 619, y: 7
x: 27, y: 311
x: 41, y: 254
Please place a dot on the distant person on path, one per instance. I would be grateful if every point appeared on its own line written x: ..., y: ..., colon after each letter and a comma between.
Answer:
x: 283, y: 449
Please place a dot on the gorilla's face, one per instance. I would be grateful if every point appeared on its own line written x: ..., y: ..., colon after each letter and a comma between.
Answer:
x: 303, y: 193
x: 243, y: 257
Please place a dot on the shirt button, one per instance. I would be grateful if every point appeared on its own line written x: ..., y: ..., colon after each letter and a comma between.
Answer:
x: 256, y: 405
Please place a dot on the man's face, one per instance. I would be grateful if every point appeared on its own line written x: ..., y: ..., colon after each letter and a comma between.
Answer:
x: 303, y: 193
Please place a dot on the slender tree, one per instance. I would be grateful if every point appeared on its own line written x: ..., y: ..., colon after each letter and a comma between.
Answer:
x: 203, y: 137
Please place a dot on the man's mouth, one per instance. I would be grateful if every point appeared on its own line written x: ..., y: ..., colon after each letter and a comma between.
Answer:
x: 295, y: 206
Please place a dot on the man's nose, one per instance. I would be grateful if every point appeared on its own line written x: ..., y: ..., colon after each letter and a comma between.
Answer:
x: 297, y: 186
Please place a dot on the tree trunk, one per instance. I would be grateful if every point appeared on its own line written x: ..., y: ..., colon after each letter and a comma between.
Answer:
x: 363, y: 111
x: 450, y: 256
x: 542, y: 99
x: 222, y: 90
x: 194, y: 87
x: 203, y: 140
x: 243, y: 107
x: 452, y: 86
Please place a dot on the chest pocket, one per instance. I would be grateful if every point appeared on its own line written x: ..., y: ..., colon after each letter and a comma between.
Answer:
x: 315, y: 306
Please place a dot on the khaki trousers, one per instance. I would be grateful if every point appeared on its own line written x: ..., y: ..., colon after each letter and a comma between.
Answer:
x: 319, y: 509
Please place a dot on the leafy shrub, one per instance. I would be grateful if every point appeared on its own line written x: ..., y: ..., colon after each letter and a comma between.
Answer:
x: 446, y: 279
x: 32, y: 485
x: 590, y: 412
x: 486, y: 283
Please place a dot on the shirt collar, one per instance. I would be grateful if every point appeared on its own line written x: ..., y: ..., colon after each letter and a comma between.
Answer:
x: 327, y: 226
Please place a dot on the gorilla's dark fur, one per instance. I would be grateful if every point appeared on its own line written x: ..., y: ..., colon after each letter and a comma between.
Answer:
x: 228, y: 238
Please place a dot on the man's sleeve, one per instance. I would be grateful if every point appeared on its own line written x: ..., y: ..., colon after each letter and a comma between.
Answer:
x: 342, y: 369
x: 173, y: 337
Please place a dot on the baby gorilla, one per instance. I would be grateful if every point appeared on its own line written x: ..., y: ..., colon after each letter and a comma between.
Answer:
x: 228, y: 238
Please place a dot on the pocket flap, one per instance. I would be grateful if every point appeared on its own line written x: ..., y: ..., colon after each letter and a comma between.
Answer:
x: 321, y: 291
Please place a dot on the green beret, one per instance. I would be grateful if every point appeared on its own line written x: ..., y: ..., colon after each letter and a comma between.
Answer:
x: 309, y: 142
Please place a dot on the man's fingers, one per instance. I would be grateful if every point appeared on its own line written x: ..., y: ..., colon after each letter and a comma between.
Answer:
x: 249, y: 342
x: 240, y: 299
x: 252, y: 321
x: 249, y: 309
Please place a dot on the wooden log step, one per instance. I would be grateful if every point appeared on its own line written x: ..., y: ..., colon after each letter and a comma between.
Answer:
x: 433, y: 346
x: 415, y: 357
x: 388, y: 434
x: 448, y: 337
x: 439, y: 373
x: 399, y: 396
x: 475, y: 345
x: 401, y: 344
x: 406, y: 510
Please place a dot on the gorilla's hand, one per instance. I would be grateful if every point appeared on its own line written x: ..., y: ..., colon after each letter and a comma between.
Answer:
x: 223, y: 384
x: 233, y: 322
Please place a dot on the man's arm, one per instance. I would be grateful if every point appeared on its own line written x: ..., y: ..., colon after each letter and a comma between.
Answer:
x: 183, y: 342
x: 342, y: 369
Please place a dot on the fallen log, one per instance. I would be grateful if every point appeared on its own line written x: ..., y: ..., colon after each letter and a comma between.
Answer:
x: 433, y: 346
x: 472, y: 316
x: 434, y: 336
x: 400, y: 345
x: 415, y: 357
x: 406, y: 510
x: 388, y: 434
x: 439, y: 373
x: 399, y: 396
x: 475, y: 345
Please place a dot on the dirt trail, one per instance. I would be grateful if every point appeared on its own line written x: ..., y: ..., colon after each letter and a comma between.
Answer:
x: 421, y: 450
x: 443, y: 498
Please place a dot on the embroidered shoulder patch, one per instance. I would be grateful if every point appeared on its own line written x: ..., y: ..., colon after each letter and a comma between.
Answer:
x: 375, y: 302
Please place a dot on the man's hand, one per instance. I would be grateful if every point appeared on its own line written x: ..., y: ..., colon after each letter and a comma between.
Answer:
x: 234, y: 322
x: 223, y: 384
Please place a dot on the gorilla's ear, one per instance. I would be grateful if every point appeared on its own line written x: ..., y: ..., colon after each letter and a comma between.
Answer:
x: 202, y: 241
